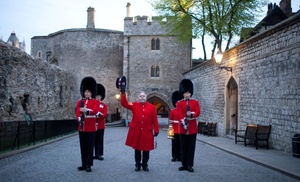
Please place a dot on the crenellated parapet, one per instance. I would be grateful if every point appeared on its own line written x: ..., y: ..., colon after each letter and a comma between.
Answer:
x: 144, y: 25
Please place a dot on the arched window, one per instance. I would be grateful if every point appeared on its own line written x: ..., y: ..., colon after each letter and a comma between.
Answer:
x: 155, y: 71
x: 155, y: 44
x: 152, y: 71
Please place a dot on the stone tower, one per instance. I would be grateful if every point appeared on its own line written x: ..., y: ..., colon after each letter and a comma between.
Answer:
x: 14, y: 41
x: 150, y: 58
x: 90, y: 18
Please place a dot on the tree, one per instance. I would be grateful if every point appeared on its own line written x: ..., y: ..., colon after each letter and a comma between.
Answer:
x: 220, y: 19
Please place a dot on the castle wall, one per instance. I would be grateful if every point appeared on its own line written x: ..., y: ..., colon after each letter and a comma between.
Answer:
x: 87, y: 52
x: 267, y: 71
x: 34, y: 86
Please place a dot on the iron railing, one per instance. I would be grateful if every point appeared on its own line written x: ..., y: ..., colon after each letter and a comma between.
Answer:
x: 16, y: 134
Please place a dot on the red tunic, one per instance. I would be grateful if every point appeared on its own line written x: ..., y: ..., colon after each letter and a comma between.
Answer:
x: 89, y: 123
x: 195, y: 109
x: 175, y: 116
x: 101, y: 120
x: 144, y: 121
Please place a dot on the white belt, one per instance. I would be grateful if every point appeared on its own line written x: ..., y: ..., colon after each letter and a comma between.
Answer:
x: 90, y: 116
x: 174, y: 121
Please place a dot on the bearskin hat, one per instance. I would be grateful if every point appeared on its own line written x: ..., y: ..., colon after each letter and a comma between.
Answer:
x: 101, y: 91
x: 121, y: 82
x: 186, y: 85
x: 88, y: 83
x: 176, y: 97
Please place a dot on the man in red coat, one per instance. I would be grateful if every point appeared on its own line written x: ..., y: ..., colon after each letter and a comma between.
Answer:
x: 190, y: 109
x: 99, y: 140
x: 142, y: 128
x: 86, y: 110
x: 174, y: 119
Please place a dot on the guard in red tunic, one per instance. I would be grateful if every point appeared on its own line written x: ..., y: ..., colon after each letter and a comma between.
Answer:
x: 190, y: 109
x: 142, y: 128
x: 99, y: 141
x: 174, y: 119
x: 86, y: 110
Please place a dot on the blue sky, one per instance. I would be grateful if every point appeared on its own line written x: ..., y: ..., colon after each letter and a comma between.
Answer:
x: 28, y: 18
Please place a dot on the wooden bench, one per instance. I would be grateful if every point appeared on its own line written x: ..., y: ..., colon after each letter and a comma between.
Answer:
x: 210, y: 129
x: 201, y: 125
x: 255, y: 133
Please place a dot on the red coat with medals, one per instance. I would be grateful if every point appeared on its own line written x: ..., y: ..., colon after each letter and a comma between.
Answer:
x: 89, y: 118
x: 103, y: 114
x: 142, y: 126
x: 195, y: 110
x: 175, y: 117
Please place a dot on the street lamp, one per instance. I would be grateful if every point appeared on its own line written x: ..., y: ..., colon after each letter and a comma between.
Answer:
x: 218, y: 58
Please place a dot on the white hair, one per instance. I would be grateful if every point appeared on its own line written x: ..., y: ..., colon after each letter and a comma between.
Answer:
x: 140, y: 92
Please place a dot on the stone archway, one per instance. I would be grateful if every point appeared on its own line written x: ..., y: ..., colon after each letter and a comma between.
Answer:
x: 231, y: 106
x: 161, y: 106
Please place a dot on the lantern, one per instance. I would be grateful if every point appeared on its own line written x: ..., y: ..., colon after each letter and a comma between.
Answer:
x: 171, y: 132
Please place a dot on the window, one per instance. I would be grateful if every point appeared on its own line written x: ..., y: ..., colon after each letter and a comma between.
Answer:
x: 155, y: 44
x: 152, y: 71
x: 39, y: 54
x: 155, y: 71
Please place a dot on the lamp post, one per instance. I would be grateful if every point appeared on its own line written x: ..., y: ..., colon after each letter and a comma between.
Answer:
x: 218, y: 58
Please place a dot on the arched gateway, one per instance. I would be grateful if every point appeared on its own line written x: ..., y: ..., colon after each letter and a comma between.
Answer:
x: 231, y: 110
x: 160, y: 104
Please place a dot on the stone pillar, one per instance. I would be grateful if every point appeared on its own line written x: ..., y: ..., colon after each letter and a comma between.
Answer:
x: 128, y: 13
x: 90, y: 18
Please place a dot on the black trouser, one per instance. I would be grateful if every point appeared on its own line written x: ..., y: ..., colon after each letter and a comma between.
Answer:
x: 99, y: 142
x: 138, y: 158
x: 87, y: 141
x: 176, y: 148
x: 188, y: 145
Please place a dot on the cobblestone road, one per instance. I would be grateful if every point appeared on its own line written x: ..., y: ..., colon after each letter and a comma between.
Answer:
x: 58, y: 161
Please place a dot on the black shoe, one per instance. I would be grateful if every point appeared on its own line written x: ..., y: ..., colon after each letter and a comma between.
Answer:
x: 182, y: 168
x: 101, y: 158
x: 88, y: 169
x: 137, y: 168
x: 190, y: 169
x: 178, y: 159
x: 145, y: 168
x: 173, y: 160
x: 81, y: 168
x: 95, y: 157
